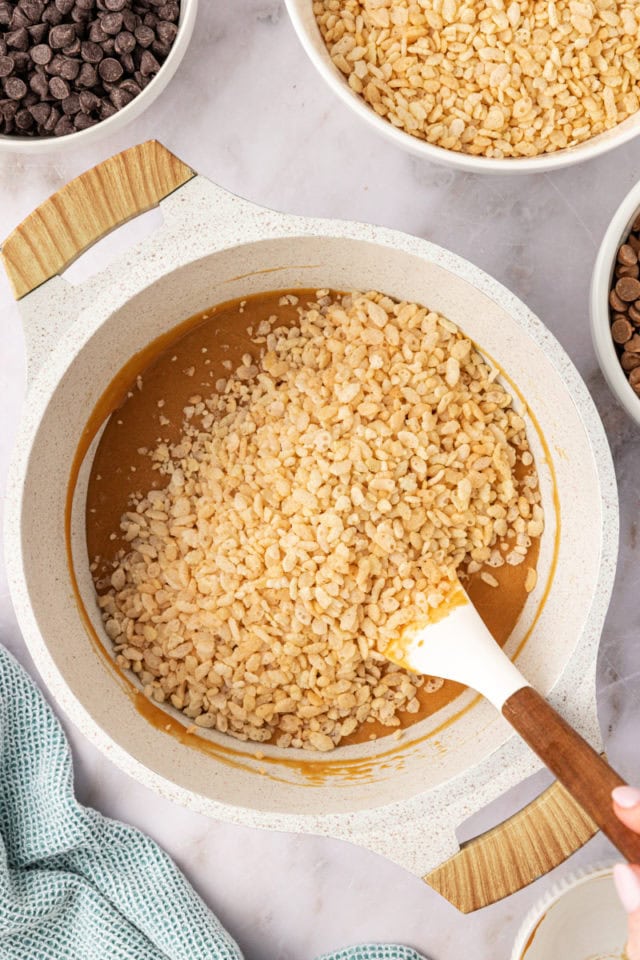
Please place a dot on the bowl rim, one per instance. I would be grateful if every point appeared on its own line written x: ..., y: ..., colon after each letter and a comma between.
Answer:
x: 556, y: 892
x: 599, y: 303
x: 593, y: 147
x: 11, y: 144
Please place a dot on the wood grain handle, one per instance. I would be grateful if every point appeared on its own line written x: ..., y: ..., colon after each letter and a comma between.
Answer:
x: 88, y: 208
x: 585, y: 774
x: 513, y: 854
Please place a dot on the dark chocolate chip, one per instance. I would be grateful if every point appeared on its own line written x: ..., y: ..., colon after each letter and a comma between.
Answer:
x: 17, y: 39
x: 15, y: 88
x: 61, y: 36
x: 111, y: 23
x: 166, y: 31
x: 71, y: 104
x: 70, y: 69
x: 110, y: 70
x: 144, y: 35
x: 64, y: 6
x: 41, y: 54
x: 59, y: 88
x: 40, y: 85
x: 24, y: 120
x: 6, y: 66
x: 40, y: 112
x: 91, y: 52
x: 125, y: 42
x: 82, y: 121
x: 73, y: 49
x: 88, y: 76
x: 148, y: 64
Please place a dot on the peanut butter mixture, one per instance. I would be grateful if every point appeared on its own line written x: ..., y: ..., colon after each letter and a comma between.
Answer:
x: 286, y: 487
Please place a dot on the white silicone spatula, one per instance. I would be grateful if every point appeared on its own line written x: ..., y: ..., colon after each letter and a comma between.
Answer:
x: 455, y: 645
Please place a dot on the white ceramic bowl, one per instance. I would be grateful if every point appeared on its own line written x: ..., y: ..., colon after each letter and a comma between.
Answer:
x: 304, y: 22
x: 106, y: 128
x: 580, y: 918
x: 403, y: 799
x: 600, y: 324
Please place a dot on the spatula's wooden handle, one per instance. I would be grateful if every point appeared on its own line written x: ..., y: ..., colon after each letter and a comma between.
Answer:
x: 584, y: 773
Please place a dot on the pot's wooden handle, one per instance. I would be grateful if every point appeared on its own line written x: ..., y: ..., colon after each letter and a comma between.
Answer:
x: 512, y: 855
x: 585, y: 774
x: 88, y: 208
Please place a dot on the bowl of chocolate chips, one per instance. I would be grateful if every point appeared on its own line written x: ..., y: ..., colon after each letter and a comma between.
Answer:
x: 615, y: 304
x: 80, y: 68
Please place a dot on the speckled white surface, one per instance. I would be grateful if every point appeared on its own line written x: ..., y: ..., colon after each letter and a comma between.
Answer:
x: 246, y: 109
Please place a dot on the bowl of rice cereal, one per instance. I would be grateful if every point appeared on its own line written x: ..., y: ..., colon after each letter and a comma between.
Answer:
x: 510, y: 86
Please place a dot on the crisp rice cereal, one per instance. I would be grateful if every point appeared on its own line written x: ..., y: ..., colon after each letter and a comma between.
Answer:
x: 333, y: 488
x: 507, y: 78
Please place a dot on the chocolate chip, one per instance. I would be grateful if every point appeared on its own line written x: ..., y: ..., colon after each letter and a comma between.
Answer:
x: 130, y: 20
x: 144, y: 35
x: 41, y: 54
x: 627, y: 255
x: 61, y: 36
x: 166, y: 31
x: 51, y: 120
x: 6, y: 66
x: 15, y: 88
x: 40, y: 112
x: 629, y: 361
x: 33, y: 10
x: 107, y: 110
x: 17, y: 39
x: 633, y: 345
x: 40, y: 85
x: 115, y: 5
x: 91, y: 52
x: 59, y: 88
x: 628, y: 289
x: 24, y: 120
x: 6, y: 13
x: 110, y: 70
x: 120, y: 98
x: 63, y: 127
x: 621, y: 331
x: 71, y: 104
x: 21, y: 61
x: 73, y: 48
x: 38, y: 33
x: 169, y: 11
x: 88, y: 76
x: 148, y: 64
x: 19, y: 19
x: 631, y: 271
x: 82, y: 121
x: 96, y: 33
x: 125, y: 43
x: 634, y: 379
x: 53, y: 17
x: 64, y: 6
x: 70, y: 69
x: 111, y: 23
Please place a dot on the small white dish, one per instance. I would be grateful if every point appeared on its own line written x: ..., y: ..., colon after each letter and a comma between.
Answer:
x: 580, y: 918
x: 603, y: 344
x: 105, y: 128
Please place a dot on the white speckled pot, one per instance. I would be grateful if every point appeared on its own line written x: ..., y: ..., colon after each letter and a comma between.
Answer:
x: 404, y: 798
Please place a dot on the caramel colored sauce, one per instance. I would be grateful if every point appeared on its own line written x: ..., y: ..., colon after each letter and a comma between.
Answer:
x: 185, y: 363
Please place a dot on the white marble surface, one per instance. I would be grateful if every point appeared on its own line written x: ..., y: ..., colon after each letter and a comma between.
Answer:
x: 248, y: 110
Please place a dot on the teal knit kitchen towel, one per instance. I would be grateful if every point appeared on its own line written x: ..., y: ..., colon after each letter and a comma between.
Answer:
x: 75, y: 885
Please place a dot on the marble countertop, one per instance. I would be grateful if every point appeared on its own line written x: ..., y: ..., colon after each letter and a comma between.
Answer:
x: 248, y: 110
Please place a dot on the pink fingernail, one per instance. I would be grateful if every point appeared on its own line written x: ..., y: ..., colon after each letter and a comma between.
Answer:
x: 627, y: 884
x: 626, y: 797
